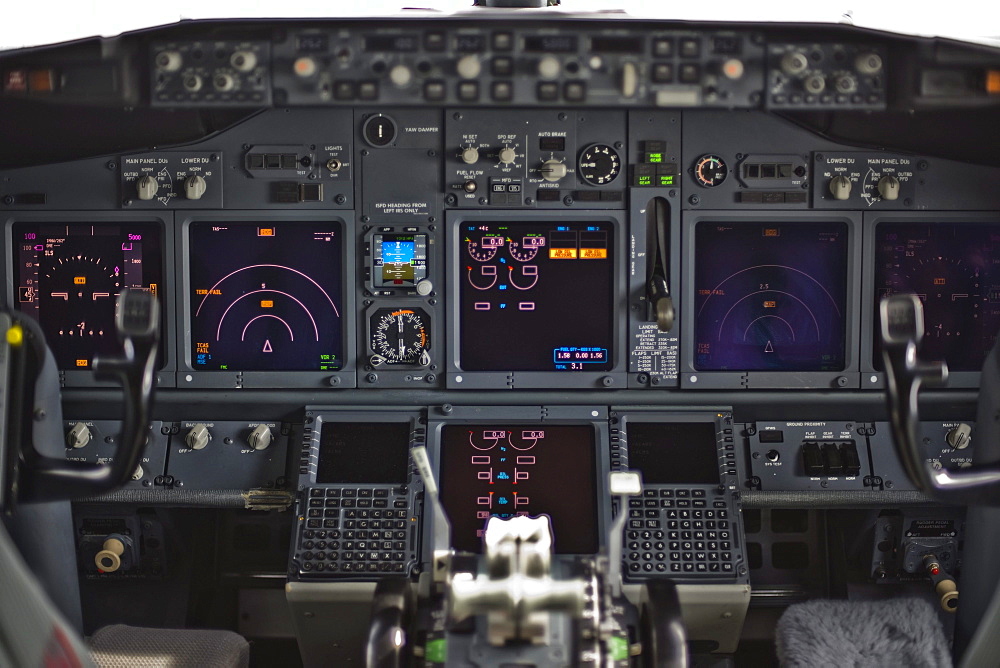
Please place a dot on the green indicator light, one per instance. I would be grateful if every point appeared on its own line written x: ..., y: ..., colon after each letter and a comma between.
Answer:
x: 654, y: 157
x: 618, y: 648
x: 645, y: 180
x: 436, y: 651
x: 666, y: 180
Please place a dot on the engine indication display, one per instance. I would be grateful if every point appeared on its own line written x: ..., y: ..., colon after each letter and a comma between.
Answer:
x: 399, y: 259
x: 68, y: 277
x: 536, y: 296
x: 771, y: 296
x: 266, y: 297
x: 952, y: 268
x: 504, y: 470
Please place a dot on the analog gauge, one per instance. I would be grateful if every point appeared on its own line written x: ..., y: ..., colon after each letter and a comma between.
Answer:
x: 599, y: 165
x: 484, y: 249
x: 525, y: 249
x: 399, y: 336
x: 710, y: 171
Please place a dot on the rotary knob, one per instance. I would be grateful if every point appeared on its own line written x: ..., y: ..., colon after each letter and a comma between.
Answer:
x: 507, y: 155
x: 958, y: 438
x: 78, y: 436
x: 888, y: 187
x: 243, y: 61
x: 470, y: 156
x: 400, y: 76
x: 146, y: 187
x: 169, y: 61
x: 198, y: 437
x: 840, y: 187
x: 194, y: 186
x: 469, y: 67
x: 260, y: 437
x: 794, y: 62
x: 553, y: 170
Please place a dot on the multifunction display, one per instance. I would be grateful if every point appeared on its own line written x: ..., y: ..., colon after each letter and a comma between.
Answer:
x: 68, y: 276
x: 674, y: 453
x: 536, y: 296
x: 770, y: 296
x: 503, y: 470
x: 953, y: 268
x: 266, y: 296
x: 363, y: 453
x: 399, y: 259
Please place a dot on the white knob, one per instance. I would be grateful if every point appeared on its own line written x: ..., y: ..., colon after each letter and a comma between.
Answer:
x: 78, y: 436
x: 198, y: 437
x: 260, y: 437
x: 794, y: 62
x: 507, y: 155
x: 243, y: 61
x: 888, y: 187
x: 958, y: 437
x: 470, y: 156
x: 553, y: 170
x: 814, y: 84
x: 469, y: 67
x: 868, y: 63
x: 549, y: 67
x: 138, y: 472
x: 400, y: 75
x: 146, y: 187
x: 194, y: 187
x: 169, y: 61
x: 192, y: 83
x: 840, y: 187
x: 224, y: 82
x: 424, y: 288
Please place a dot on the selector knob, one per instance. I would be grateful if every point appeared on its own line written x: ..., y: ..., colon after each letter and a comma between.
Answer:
x: 198, y: 437
x: 507, y: 155
x: 888, y: 187
x: 469, y: 67
x: 845, y: 84
x: 470, y: 156
x: 192, y: 83
x: 78, y: 436
x: 243, y: 61
x: 553, y: 170
x: 840, y: 187
x: 814, y: 84
x: 169, y: 61
x: 146, y: 187
x: 260, y: 437
x: 138, y: 472
x: 794, y: 62
x: 194, y: 187
x: 224, y: 82
x: 868, y: 63
x: 549, y: 67
x: 958, y: 438
x: 400, y: 76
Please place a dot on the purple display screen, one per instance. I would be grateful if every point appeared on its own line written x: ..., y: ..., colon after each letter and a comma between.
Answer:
x: 954, y: 269
x: 266, y: 296
x: 770, y: 296
x: 504, y: 470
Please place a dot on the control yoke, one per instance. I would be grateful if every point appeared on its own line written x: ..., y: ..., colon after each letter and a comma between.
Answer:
x: 47, y: 478
x: 902, y: 330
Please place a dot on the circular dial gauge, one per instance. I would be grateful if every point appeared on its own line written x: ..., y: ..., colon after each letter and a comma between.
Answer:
x: 525, y: 249
x: 87, y: 287
x: 599, y: 165
x: 485, y: 249
x: 710, y: 171
x: 399, y: 336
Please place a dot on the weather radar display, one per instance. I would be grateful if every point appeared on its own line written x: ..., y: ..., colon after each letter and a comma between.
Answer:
x: 266, y: 297
x: 770, y: 297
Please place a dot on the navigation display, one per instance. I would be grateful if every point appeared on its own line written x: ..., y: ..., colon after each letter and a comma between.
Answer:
x: 955, y: 270
x: 503, y: 470
x: 674, y: 453
x: 68, y: 276
x: 536, y: 296
x: 770, y: 296
x: 266, y: 296
x: 363, y: 453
